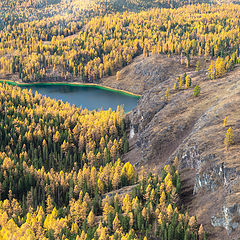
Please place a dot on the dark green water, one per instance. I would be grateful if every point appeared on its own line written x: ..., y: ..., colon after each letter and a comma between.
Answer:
x: 87, y: 97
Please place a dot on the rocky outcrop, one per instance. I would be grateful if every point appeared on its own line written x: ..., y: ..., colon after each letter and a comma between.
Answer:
x: 228, y: 218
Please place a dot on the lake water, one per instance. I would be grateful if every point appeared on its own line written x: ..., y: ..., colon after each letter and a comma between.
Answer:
x: 87, y: 97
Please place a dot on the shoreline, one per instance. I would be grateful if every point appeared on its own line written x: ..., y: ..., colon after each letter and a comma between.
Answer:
x: 93, y: 85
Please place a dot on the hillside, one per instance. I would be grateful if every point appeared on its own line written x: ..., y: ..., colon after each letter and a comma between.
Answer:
x: 190, y: 128
x: 146, y: 72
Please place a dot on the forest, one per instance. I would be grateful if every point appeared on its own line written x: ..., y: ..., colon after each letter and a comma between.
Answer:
x: 63, y: 48
x: 61, y: 169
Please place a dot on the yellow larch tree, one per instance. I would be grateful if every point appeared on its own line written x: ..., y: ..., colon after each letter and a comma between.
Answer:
x: 167, y: 94
x: 225, y: 121
x: 116, y: 223
x: 127, y: 204
x: 91, y: 219
x: 118, y: 76
x: 229, y: 138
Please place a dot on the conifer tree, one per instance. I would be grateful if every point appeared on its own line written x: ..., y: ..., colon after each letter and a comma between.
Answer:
x: 229, y: 138
x: 91, y: 219
x: 167, y: 94
x: 188, y: 82
x: 175, y: 86
x: 116, y: 223
x: 180, y: 83
x: 118, y: 75
x: 220, y: 67
x: 201, y: 232
x: 225, y: 122
x: 211, y: 70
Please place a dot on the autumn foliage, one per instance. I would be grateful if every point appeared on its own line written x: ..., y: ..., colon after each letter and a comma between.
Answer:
x: 101, y: 46
x: 61, y: 168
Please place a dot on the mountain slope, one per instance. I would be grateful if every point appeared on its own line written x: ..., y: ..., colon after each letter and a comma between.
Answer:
x: 192, y: 129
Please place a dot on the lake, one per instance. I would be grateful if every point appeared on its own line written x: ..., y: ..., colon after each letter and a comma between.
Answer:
x: 86, y: 96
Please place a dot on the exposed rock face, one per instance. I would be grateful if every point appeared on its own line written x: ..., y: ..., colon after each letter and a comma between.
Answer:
x: 229, y: 218
x: 192, y: 129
